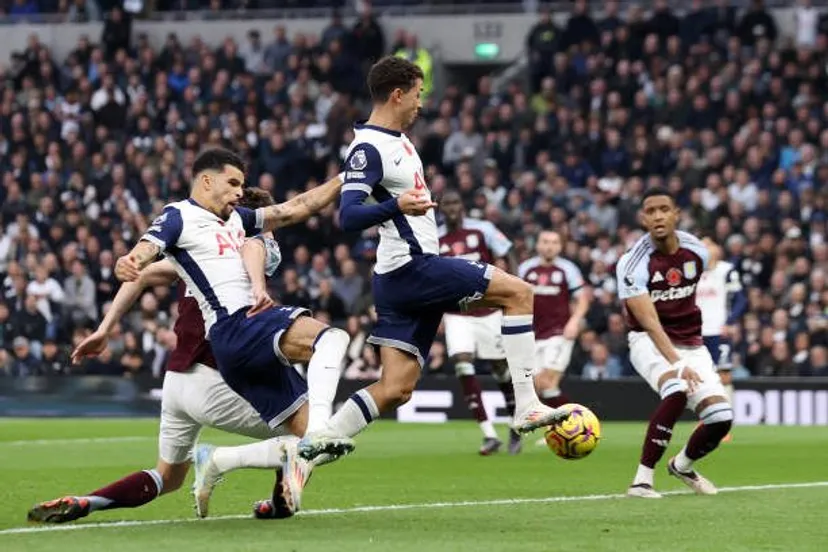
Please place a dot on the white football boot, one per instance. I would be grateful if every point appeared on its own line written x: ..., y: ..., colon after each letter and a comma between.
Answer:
x: 295, y: 472
x: 693, y: 479
x: 207, y: 476
x: 643, y: 490
x: 538, y: 415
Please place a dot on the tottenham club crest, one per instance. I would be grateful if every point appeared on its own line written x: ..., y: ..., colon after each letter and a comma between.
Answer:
x: 359, y: 161
x: 690, y: 270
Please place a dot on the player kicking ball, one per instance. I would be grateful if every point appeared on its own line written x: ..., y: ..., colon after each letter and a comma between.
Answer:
x: 476, y: 333
x: 193, y: 396
x: 657, y: 280
x: 412, y: 285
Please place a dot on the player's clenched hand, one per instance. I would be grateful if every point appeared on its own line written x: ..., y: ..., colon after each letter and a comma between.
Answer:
x: 415, y: 203
x: 261, y: 302
x: 93, y: 345
x: 126, y: 269
x: 692, y: 378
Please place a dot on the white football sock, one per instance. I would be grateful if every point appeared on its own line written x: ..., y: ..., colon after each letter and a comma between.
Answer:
x: 354, y: 416
x: 324, y: 369
x: 488, y: 429
x: 643, y: 475
x: 682, y: 463
x: 263, y: 454
x: 519, y: 343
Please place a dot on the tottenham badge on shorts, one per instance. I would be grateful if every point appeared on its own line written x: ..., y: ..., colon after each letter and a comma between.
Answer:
x: 690, y: 270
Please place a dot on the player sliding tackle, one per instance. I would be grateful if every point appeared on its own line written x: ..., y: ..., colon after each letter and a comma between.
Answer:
x: 254, y: 345
x: 657, y: 282
x: 193, y: 396
x: 413, y: 285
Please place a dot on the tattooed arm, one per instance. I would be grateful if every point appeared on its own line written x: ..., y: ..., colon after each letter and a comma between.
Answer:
x: 161, y: 235
x: 301, y: 207
x: 129, y: 267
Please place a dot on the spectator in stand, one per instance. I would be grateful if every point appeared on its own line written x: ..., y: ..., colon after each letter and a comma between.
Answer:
x: 757, y: 24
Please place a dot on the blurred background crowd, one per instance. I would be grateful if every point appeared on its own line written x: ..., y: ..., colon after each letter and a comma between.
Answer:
x: 712, y: 104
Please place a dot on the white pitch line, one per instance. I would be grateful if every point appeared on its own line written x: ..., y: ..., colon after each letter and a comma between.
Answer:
x: 79, y: 441
x: 394, y: 507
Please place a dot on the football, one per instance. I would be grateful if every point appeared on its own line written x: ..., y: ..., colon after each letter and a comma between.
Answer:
x: 576, y: 437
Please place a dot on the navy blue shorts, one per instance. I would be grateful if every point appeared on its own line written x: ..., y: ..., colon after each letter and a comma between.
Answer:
x: 412, y: 299
x: 720, y: 351
x: 251, y: 363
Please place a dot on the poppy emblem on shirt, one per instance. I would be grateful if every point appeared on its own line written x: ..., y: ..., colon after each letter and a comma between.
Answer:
x: 673, y: 277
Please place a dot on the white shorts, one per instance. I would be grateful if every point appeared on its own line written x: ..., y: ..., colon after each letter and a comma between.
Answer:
x: 553, y: 353
x: 197, y: 398
x: 475, y: 335
x: 651, y: 365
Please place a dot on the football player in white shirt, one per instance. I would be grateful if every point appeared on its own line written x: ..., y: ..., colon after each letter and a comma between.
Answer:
x: 194, y: 396
x: 413, y: 286
x: 722, y: 301
x: 255, y: 345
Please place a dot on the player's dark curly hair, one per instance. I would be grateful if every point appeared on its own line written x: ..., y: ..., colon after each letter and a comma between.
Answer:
x: 254, y: 198
x: 656, y: 191
x: 215, y: 159
x: 391, y: 73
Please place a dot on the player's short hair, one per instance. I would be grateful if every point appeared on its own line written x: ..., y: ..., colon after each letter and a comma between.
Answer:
x: 215, y: 159
x: 254, y: 198
x: 657, y: 191
x: 391, y: 73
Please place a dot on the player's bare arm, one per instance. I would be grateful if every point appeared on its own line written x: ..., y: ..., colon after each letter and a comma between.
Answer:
x: 129, y: 267
x: 579, y: 311
x: 301, y: 207
x: 644, y: 310
x: 157, y: 274
x: 253, y: 255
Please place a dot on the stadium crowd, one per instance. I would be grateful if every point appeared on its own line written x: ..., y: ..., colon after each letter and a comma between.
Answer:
x: 713, y: 105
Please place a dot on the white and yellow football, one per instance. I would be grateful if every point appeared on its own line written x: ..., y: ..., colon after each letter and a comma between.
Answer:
x: 577, y: 436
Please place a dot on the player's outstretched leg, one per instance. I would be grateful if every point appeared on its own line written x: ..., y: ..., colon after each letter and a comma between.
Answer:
x: 516, y: 299
x: 473, y: 395
x: 400, y: 373
x: 673, y: 391
x: 716, y: 417
x: 134, y: 490
x: 210, y: 463
x: 500, y: 372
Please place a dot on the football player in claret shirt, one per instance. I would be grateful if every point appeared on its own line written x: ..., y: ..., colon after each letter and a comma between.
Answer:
x: 476, y: 333
x: 657, y: 281
x: 561, y: 301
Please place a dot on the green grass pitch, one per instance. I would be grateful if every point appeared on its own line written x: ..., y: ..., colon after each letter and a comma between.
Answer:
x: 422, y: 487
